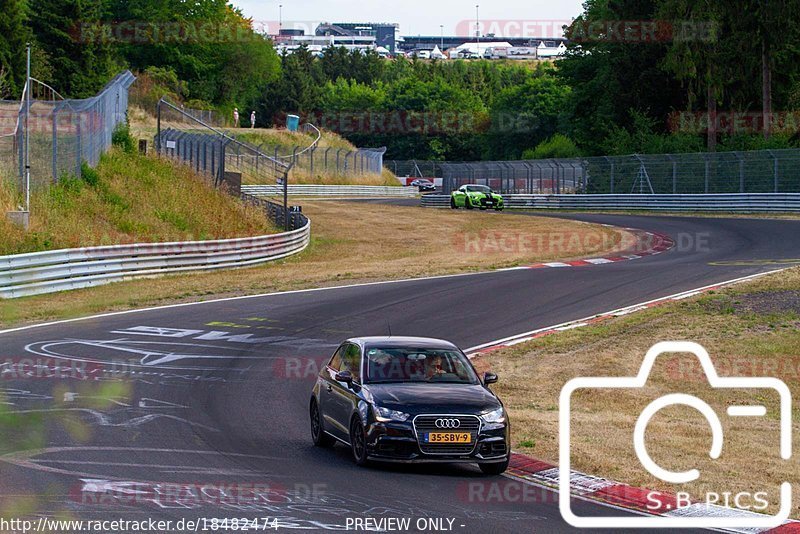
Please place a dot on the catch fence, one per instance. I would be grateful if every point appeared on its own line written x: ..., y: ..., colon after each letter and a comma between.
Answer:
x: 60, y: 133
x: 224, y: 160
x: 758, y: 171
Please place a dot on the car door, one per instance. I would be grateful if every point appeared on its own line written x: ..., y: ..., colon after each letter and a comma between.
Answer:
x: 345, y: 397
x: 328, y: 401
x: 459, y: 195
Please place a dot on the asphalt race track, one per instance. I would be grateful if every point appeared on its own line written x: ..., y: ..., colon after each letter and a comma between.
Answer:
x: 220, y: 390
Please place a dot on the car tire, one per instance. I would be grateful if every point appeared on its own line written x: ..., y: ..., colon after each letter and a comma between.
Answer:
x: 358, y: 442
x: 468, y: 203
x: 495, y: 469
x: 498, y: 209
x: 318, y: 435
x: 453, y: 204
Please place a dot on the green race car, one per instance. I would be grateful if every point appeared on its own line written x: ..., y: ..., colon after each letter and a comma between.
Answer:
x: 476, y: 196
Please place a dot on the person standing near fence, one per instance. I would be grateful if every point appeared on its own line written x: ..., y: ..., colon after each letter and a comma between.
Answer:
x: 253, y: 119
x: 235, y: 117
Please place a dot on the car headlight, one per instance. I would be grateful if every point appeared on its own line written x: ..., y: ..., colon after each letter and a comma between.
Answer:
x: 495, y: 416
x: 385, y: 414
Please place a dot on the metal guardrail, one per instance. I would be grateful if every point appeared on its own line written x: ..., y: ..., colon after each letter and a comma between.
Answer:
x: 332, y: 190
x: 60, y: 270
x: 734, y: 202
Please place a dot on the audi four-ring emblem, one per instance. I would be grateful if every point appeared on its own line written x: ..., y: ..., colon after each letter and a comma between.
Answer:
x: 448, y: 423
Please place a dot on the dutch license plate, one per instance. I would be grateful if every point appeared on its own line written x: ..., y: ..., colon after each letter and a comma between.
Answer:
x: 448, y: 437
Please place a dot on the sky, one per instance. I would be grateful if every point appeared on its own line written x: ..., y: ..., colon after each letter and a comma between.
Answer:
x: 509, y: 18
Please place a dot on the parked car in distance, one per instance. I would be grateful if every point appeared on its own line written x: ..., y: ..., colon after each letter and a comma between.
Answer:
x: 423, y: 184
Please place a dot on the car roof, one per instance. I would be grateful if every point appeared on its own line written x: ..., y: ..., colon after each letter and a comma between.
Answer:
x: 402, y: 341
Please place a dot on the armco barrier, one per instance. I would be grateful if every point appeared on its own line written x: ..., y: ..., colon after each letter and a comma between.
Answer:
x: 734, y: 202
x: 332, y: 190
x: 60, y: 270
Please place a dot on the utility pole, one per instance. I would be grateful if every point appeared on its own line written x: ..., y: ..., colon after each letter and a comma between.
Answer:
x: 478, y: 28
x: 280, y: 18
x: 441, y: 30
x: 28, y: 135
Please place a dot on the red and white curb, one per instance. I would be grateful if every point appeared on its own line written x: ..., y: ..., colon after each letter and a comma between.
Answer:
x: 619, y: 495
x: 654, y: 244
x: 601, y: 490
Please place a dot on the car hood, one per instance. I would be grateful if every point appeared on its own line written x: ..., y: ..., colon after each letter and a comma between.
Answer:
x: 434, y: 398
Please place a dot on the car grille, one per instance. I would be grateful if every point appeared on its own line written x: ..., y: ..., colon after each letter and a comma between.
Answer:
x: 424, y: 424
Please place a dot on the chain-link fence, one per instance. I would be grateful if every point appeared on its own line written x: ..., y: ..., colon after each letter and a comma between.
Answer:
x: 313, y: 160
x: 511, y: 177
x: 217, y: 155
x: 308, y: 161
x: 415, y: 168
x: 758, y: 171
x: 61, y: 133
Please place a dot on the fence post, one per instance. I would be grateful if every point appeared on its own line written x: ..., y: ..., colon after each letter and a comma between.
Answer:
x: 558, y: 176
x: 158, y: 128
x: 774, y: 170
x: 741, y: 171
x: 79, y: 149
x: 584, y: 177
x: 613, y: 163
x: 705, y: 157
x: 286, y: 200
x: 671, y: 158
x: 55, y: 144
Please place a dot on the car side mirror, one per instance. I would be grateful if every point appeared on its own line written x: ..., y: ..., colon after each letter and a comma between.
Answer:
x: 489, y: 378
x: 344, y: 376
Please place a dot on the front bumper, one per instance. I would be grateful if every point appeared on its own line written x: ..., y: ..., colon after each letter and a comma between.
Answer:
x: 487, y: 203
x: 398, y: 442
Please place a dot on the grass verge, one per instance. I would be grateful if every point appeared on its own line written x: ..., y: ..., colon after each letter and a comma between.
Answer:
x: 750, y: 329
x: 128, y: 199
x: 351, y: 242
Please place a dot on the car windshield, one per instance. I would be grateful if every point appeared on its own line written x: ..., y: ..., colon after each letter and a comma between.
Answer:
x: 478, y: 189
x: 410, y: 365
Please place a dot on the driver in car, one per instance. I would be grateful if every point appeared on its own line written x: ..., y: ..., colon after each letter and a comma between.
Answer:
x: 434, y: 367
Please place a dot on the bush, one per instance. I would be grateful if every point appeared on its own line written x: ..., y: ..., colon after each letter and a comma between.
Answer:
x: 123, y: 139
x: 733, y: 143
x: 558, y: 146
x: 89, y: 175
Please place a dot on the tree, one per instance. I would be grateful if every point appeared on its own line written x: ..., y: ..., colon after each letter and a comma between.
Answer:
x: 80, y: 67
x: 14, y: 35
x: 207, y: 43
x: 611, y: 74
x: 525, y: 115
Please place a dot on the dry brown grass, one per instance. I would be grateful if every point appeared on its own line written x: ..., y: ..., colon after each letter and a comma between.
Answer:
x: 350, y: 242
x: 741, y: 343
x: 136, y: 199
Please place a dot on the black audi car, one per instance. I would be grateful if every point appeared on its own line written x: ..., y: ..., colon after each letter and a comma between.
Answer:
x: 409, y: 399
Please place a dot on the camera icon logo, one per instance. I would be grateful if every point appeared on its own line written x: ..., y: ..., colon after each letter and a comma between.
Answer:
x: 640, y: 448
